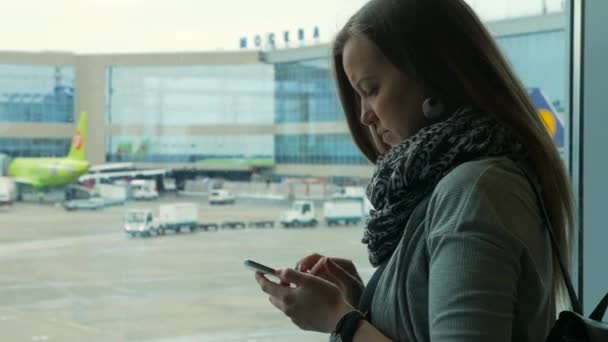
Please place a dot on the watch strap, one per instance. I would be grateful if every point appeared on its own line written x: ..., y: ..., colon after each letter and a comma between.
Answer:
x: 347, y: 326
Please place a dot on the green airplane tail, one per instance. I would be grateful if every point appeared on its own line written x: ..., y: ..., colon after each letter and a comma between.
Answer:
x: 79, y: 139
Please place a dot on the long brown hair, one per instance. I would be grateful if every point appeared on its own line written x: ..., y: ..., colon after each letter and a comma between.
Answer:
x: 444, y: 47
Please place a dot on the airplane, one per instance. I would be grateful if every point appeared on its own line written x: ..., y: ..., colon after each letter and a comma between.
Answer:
x: 549, y: 116
x: 44, y: 173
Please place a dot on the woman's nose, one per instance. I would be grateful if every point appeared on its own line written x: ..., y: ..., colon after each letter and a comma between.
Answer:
x: 368, y: 117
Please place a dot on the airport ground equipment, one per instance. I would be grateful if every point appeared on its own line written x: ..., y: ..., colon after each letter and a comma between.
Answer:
x: 301, y: 214
x: 343, y: 211
x: 141, y: 222
x: 176, y: 216
x: 8, y: 191
x: 144, y: 189
x: 221, y: 196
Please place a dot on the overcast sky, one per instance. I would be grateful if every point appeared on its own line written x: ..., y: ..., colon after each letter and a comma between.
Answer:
x: 94, y: 26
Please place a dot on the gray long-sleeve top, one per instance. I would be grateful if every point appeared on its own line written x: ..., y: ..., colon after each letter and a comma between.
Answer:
x: 474, y: 263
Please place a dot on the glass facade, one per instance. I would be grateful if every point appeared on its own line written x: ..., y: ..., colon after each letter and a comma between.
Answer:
x: 190, y: 95
x: 250, y: 149
x: 34, y: 93
x: 37, y: 147
x: 300, y: 91
x: 319, y: 149
x: 305, y: 92
x: 540, y: 60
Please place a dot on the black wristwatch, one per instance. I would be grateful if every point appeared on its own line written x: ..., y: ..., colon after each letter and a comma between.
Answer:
x: 346, y: 327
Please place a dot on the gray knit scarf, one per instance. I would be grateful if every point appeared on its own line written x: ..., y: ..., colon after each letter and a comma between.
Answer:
x: 408, y: 172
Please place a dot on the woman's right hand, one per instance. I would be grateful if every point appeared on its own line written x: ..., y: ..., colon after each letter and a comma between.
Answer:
x: 340, y: 272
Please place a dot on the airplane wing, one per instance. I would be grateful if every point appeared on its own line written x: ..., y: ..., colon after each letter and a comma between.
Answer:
x: 111, y: 166
x: 121, y: 174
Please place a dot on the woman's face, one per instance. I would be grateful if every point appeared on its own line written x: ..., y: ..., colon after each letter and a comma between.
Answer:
x: 391, y: 103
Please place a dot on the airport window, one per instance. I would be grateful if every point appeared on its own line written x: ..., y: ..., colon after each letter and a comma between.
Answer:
x: 304, y: 92
x: 198, y: 150
x: 154, y: 158
x: 190, y: 95
x: 33, y: 93
x: 23, y: 147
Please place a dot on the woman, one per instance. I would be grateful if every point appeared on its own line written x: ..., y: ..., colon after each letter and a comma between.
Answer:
x: 457, y: 235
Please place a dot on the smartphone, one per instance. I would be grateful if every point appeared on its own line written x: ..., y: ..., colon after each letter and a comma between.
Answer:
x: 255, y: 266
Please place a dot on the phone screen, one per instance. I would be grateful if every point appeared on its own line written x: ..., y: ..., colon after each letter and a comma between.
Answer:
x: 255, y: 266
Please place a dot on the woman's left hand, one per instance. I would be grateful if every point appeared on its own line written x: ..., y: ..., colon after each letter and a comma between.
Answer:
x: 314, y: 303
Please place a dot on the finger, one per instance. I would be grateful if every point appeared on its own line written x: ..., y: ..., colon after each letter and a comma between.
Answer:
x: 276, y: 303
x: 324, y: 274
x: 285, y: 304
x: 332, y: 278
x: 318, y: 267
x: 268, y: 286
x: 336, y: 270
x: 321, y: 269
x: 348, y: 266
x: 292, y: 276
x: 307, y: 263
x: 344, y: 275
x: 327, y: 269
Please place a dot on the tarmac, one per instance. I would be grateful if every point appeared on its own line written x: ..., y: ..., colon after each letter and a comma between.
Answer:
x: 76, y: 276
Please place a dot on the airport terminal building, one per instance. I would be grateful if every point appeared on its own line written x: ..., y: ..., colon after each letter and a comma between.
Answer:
x: 232, y: 113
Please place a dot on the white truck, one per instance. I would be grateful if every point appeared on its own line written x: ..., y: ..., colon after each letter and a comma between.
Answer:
x: 301, y: 214
x: 349, y: 191
x: 8, y: 191
x: 169, y: 184
x: 144, y: 189
x: 354, y: 192
x: 112, y: 194
x: 176, y: 216
x: 141, y: 222
x: 221, y: 196
x: 348, y: 210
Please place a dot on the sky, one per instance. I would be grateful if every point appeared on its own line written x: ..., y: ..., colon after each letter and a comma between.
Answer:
x: 124, y: 26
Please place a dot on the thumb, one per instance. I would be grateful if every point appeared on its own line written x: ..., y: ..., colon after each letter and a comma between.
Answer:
x: 292, y: 276
x: 338, y: 271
